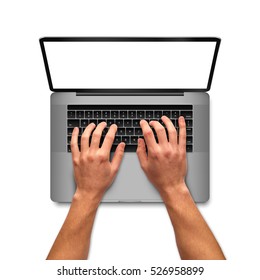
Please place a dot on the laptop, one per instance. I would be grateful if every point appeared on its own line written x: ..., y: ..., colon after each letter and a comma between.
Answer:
x: 123, y: 80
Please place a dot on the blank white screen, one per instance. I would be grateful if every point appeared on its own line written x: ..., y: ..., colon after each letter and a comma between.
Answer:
x: 169, y: 64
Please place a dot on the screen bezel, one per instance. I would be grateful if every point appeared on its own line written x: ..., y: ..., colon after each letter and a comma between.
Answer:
x: 132, y: 91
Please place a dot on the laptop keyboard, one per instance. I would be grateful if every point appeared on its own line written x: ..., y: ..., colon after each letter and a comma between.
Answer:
x: 127, y: 118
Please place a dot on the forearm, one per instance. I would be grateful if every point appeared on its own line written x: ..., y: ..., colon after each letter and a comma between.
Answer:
x: 193, y: 236
x: 73, y: 240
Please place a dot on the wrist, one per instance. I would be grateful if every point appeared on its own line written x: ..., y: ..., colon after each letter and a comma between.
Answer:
x: 174, y: 193
x: 87, y: 199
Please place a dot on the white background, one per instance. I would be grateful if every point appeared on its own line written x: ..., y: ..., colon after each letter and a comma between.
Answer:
x: 128, y: 233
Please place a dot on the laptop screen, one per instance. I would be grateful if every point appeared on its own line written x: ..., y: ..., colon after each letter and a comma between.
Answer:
x: 79, y: 65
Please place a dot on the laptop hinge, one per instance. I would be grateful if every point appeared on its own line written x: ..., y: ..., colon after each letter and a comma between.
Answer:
x: 129, y: 93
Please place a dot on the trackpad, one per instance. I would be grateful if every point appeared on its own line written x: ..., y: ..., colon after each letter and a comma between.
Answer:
x: 131, y: 183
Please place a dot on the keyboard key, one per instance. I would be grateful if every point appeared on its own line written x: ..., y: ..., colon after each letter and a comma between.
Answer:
x: 130, y: 131
x: 136, y: 123
x: 73, y: 123
x: 70, y: 130
x: 88, y: 114
x: 93, y: 121
x: 157, y: 114
x: 100, y: 121
x: 173, y: 122
x: 138, y: 131
x: 84, y: 123
x: 69, y: 139
x: 189, y: 140
x: 119, y: 123
x: 110, y: 122
x: 106, y: 114
x: 186, y: 114
x: 97, y: 114
x: 188, y: 123
x: 127, y: 123
x: 149, y: 114
x: 188, y: 131
x: 126, y: 139
x: 140, y: 114
x: 175, y: 114
x: 117, y: 140
x: 134, y: 139
x: 80, y: 114
x: 161, y: 122
x: 132, y: 114
x: 188, y: 148
x: 68, y: 149
x: 114, y: 114
x: 121, y: 131
x: 167, y: 113
x: 71, y: 114
x: 123, y: 114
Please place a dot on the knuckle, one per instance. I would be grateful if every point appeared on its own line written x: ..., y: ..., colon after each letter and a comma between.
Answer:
x: 115, y: 169
x: 96, y: 133
x: 167, y: 153
x: 73, y: 144
x: 148, y: 133
x: 171, y: 130
x: 75, y: 161
x: 160, y: 129
x: 143, y: 166
x: 154, y: 154
x: 85, y: 136
x: 102, y: 156
x: 109, y: 137
x: 89, y: 158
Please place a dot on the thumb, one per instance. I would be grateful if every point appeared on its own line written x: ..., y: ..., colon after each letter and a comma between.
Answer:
x: 118, y: 156
x: 141, y: 152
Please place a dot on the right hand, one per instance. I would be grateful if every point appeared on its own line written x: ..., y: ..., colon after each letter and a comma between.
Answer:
x: 165, y: 165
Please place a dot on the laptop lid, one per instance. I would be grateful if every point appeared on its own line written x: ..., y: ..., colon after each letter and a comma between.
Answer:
x: 129, y: 65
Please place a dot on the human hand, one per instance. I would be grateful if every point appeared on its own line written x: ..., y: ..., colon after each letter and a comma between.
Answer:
x: 165, y: 165
x: 93, y: 171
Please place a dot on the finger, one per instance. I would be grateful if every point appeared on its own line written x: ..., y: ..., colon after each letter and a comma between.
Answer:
x: 118, y: 156
x: 85, y: 137
x: 172, y: 133
x: 109, y: 139
x: 160, y: 132
x: 141, y: 152
x: 148, y: 135
x: 96, y: 136
x: 182, y: 133
x: 74, y: 142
